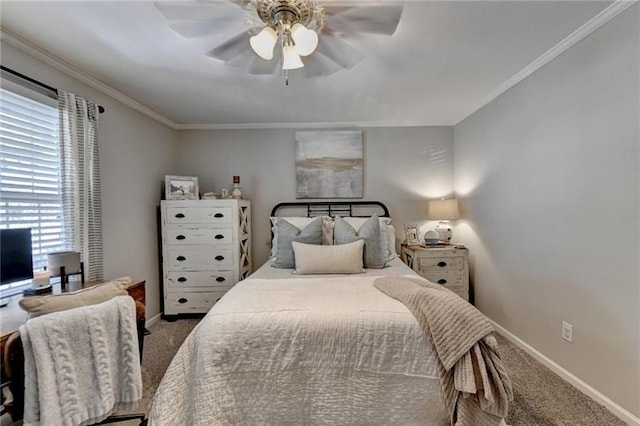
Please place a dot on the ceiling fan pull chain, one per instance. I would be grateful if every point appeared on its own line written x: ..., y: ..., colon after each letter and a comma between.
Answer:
x: 286, y: 77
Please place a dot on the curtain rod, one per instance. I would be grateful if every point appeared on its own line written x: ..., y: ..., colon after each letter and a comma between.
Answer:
x: 51, y: 92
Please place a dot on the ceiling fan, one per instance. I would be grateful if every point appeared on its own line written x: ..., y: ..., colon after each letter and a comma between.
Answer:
x: 316, y: 37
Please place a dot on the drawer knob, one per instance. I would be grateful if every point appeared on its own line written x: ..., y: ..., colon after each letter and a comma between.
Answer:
x: 219, y: 257
x: 180, y: 237
x: 181, y: 258
x: 220, y: 279
x: 218, y: 215
x: 182, y: 300
x: 182, y: 279
x: 442, y: 281
x: 442, y: 264
x: 219, y: 237
x: 180, y: 215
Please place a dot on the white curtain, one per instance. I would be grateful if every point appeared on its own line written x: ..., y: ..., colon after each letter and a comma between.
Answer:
x: 80, y: 179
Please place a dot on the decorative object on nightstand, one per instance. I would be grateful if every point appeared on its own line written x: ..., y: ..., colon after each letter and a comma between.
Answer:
x: 444, y: 211
x: 411, y: 235
x: 445, y: 265
x: 431, y: 238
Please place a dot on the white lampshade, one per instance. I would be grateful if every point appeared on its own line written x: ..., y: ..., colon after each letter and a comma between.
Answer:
x: 264, y: 42
x: 70, y: 260
x: 290, y: 58
x: 306, y: 40
x: 443, y: 210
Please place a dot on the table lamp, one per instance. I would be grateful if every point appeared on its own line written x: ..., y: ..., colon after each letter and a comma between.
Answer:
x: 444, y: 211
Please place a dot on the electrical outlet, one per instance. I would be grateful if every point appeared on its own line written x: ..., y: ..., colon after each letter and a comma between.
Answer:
x: 567, y: 332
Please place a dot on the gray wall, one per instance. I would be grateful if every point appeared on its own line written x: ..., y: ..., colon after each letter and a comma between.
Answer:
x: 550, y: 175
x: 403, y: 166
x: 135, y: 154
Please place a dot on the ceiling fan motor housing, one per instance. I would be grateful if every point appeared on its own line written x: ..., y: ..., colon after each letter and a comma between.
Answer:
x: 275, y: 12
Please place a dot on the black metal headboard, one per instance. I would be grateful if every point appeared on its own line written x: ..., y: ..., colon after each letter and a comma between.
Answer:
x: 333, y: 208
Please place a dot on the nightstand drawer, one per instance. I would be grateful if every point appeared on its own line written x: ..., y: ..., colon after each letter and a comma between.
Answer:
x: 446, y: 278
x: 441, y: 263
x: 447, y: 266
x: 462, y: 292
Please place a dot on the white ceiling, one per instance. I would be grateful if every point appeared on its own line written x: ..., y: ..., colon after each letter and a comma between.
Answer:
x: 445, y: 60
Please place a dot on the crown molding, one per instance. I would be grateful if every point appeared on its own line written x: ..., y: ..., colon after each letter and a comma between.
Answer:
x: 587, y: 28
x: 310, y: 125
x: 617, y: 7
x: 61, y: 65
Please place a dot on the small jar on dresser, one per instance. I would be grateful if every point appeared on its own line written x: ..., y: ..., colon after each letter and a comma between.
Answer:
x: 444, y: 265
x: 206, y: 250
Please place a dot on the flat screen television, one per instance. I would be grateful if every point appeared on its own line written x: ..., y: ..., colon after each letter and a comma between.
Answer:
x: 16, y: 261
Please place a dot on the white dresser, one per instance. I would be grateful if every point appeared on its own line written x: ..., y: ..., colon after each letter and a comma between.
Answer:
x: 447, y: 266
x: 206, y: 250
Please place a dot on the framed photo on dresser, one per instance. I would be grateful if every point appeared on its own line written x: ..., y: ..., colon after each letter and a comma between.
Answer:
x: 181, y: 187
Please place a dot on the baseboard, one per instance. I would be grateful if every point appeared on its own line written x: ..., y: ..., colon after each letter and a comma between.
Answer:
x: 579, y: 384
x: 154, y: 319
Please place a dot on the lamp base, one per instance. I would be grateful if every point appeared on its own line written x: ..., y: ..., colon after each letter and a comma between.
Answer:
x: 444, y: 231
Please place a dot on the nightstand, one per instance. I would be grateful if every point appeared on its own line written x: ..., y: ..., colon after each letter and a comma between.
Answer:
x: 446, y: 265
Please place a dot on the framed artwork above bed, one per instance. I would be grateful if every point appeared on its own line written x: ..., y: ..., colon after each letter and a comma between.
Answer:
x: 329, y: 164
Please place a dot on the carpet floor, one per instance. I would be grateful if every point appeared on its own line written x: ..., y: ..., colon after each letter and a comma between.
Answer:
x: 541, y: 398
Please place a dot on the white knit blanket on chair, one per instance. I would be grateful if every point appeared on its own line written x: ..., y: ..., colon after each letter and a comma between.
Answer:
x: 81, y: 364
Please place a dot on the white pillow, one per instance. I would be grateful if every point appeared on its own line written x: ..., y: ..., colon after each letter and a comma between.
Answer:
x: 391, y: 241
x: 387, y: 234
x: 300, y: 222
x: 334, y: 259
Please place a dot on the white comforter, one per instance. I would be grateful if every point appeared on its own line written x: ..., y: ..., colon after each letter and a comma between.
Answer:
x: 303, y: 351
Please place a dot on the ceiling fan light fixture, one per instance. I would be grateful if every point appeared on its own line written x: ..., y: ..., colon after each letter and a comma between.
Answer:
x: 264, y: 42
x: 306, y: 40
x: 290, y: 58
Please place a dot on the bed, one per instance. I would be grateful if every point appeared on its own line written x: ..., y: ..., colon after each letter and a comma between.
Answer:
x: 281, y: 349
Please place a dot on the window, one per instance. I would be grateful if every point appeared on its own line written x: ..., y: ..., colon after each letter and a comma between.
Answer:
x: 30, y: 194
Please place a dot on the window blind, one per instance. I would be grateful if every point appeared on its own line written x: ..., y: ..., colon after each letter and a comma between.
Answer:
x: 30, y: 194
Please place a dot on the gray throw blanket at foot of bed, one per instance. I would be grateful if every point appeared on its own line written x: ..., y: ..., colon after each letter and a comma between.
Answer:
x: 474, y: 381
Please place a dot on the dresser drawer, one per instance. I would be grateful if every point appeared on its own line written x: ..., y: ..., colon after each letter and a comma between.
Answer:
x: 187, y: 258
x: 446, y: 278
x: 208, y: 215
x: 187, y: 235
x: 214, y: 280
x: 441, y: 263
x: 191, y: 302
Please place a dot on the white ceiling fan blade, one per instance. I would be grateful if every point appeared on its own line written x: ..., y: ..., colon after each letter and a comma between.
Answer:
x: 339, y: 50
x: 260, y: 66
x: 194, y: 29
x: 233, y: 47
x: 378, y: 19
x: 198, y: 10
x: 240, y: 3
x: 317, y: 65
x: 332, y: 9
